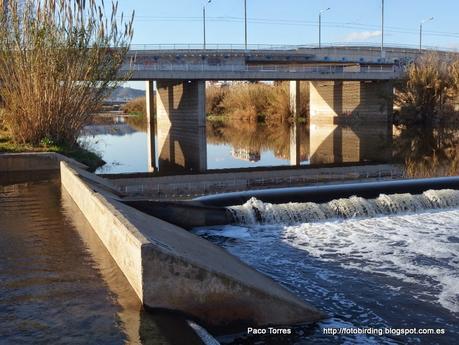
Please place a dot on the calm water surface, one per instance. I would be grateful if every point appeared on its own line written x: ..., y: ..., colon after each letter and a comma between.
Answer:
x: 235, y: 144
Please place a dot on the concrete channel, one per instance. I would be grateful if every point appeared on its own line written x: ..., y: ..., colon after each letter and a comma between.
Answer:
x: 172, y: 269
x: 169, y: 268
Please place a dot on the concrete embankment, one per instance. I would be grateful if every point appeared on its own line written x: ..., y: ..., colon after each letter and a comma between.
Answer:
x: 170, y: 268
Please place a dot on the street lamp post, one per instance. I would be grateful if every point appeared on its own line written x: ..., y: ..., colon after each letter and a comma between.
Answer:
x: 245, y: 23
x: 382, y: 29
x: 204, y: 20
x: 320, y: 25
x: 420, y: 31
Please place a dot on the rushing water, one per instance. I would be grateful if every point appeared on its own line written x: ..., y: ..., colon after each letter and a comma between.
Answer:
x: 254, y: 210
x: 58, y: 283
x: 397, y: 270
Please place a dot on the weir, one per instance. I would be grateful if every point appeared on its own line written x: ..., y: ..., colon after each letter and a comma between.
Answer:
x: 255, y: 211
x: 307, y: 204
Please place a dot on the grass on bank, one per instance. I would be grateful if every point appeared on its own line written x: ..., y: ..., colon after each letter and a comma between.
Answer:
x: 80, y: 154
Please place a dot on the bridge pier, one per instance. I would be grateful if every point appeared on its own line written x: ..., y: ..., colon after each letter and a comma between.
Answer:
x: 299, y: 95
x: 340, y: 102
x: 150, y: 113
x: 295, y: 144
x: 350, y: 121
x: 181, y: 125
x: 295, y: 97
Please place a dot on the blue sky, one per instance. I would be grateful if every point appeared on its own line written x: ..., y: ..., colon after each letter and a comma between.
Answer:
x: 294, y: 21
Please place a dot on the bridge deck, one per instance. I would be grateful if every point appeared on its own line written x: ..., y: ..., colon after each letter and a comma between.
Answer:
x: 290, y: 63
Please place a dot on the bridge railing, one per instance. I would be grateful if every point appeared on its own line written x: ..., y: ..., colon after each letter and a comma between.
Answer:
x: 331, y: 69
x: 286, y: 47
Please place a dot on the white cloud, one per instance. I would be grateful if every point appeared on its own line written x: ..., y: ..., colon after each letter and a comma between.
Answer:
x: 361, y: 36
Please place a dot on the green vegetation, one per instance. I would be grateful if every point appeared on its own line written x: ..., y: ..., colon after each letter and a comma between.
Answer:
x: 60, y: 60
x: 91, y: 159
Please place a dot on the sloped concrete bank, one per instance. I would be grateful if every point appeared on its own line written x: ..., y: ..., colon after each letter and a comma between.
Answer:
x: 170, y: 268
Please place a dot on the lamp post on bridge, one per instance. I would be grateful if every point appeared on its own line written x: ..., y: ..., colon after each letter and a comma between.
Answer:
x: 420, y: 31
x: 245, y: 23
x: 320, y: 25
x: 204, y: 20
x: 382, y: 28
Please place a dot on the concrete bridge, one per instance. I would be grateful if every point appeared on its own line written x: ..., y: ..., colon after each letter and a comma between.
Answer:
x: 343, y: 83
x: 266, y: 63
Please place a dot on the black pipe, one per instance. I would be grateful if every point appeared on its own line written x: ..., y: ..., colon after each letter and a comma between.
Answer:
x: 325, y: 193
x: 186, y: 214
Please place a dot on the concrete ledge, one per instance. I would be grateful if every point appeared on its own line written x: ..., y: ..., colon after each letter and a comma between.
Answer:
x: 170, y: 268
x: 163, y: 187
x: 34, y: 161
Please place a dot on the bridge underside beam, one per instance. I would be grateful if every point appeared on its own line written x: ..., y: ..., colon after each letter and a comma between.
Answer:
x: 180, y: 109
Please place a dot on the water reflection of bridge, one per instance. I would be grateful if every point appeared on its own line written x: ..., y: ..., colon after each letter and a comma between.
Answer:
x: 349, y: 121
x: 314, y: 144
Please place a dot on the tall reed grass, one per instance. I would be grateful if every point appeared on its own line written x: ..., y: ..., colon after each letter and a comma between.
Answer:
x: 59, y: 59
x: 430, y: 85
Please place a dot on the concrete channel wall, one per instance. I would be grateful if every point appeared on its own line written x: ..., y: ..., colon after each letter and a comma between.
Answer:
x: 34, y: 161
x: 170, y: 268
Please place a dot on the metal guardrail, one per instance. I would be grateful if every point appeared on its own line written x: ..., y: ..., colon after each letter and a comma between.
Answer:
x: 333, y: 69
x: 286, y: 47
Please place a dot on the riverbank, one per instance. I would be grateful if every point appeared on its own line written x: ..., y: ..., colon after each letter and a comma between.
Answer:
x: 91, y: 159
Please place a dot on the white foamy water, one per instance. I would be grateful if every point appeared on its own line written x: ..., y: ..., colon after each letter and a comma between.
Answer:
x: 255, y: 211
x: 388, y: 262
x: 417, y: 248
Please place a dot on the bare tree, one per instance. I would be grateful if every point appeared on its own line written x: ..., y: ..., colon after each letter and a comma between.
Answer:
x: 58, y: 60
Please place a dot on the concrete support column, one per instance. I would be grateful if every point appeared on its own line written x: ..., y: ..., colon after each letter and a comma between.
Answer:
x: 295, y: 99
x: 350, y: 121
x: 181, y: 125
x: 338, y: 102
x: 150, y: 113
x: 295, y: 144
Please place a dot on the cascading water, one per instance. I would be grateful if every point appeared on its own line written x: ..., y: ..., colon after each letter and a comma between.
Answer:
x: 389, y: 262
x: 255, y: 211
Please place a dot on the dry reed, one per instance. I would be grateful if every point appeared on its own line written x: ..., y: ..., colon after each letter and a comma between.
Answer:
x: 430, y: 84
x: 58, y: 60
